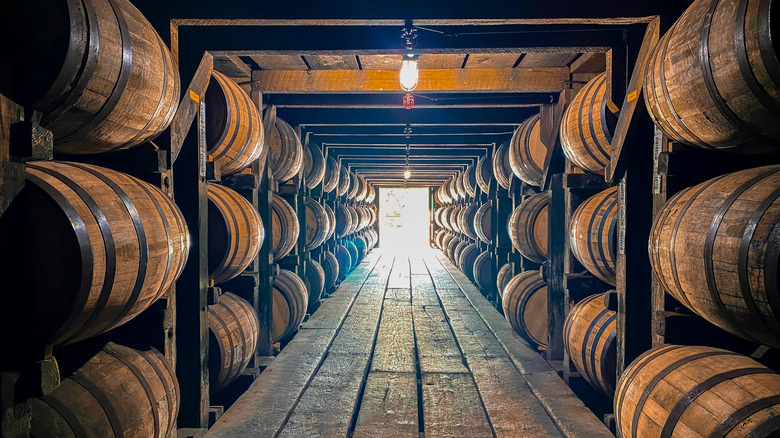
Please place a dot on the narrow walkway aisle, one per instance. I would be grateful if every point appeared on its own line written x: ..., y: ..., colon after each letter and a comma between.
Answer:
x: 407, y: 347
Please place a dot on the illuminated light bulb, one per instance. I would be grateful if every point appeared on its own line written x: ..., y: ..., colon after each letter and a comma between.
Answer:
x: 409, y: 73
x: 407, y: 174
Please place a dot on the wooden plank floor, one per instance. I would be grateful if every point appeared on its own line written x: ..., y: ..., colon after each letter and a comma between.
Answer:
x: 408, y: 347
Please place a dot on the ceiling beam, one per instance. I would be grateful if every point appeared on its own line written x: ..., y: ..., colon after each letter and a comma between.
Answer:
x: 507, y: 80
x: 415, y: 140
x: 398, y: 130
x: 308, y: 117
x: 394, y: 100
x: 422, y: 151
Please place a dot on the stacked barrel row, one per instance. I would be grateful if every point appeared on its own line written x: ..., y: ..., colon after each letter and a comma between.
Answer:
x: 713, y: 246
x: 95, y: 247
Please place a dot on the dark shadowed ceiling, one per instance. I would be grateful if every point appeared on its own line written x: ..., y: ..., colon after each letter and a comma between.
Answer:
x: 339, y: 81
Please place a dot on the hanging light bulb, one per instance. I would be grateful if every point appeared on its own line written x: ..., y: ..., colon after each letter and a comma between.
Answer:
x: 407, y: 174
x: 409, y: 72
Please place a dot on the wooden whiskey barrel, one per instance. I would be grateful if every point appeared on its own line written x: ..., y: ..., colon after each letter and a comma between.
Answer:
x: 235, y: 233
x: 344, y: 181
x: 692, y: 391
x: 343, y: 220
x: 505, y: 274
x: 361, y: 242
x: 373, y: 238
x: 589, y: 336
x: 501, y: 168
x: 96, y: 69
x: 285, y: 152
x: 714, y: 248
x: 234, y: 131
x: 460, y: 185
x: 445, y: 242
x: 457, y: 251
x: 481, y: 272
x: 119, y: 392
x: 313, y: 165
x: 467, y: 260
x: 525, y: 306
x: 354, y: 219
x: 445, y: 192
x: 470, y: 180
x: 363, y: 190
x: 317, y: 224
x: 586, y: 129
x: 354, y: 185
x: 449, y: 249
x: 452, y: 189
x: 437, y: 216
x: 233, y: 333
x: 484, y: 173
x: 345, y: 261
x: 330, y: 179
x: 593, y: 234
x: 528, y: 227
x: 92, y: 248
x: 285, y: 227
x: 454, y: 218
x: 527, y: 153
x: 483, y: 222
x: 714, y: 78
x: 354, y: 253
x: 331, y: 268
x: 289, y: 305
x: 466, y: 220
x: 315, y: 283
x: 331, y: 220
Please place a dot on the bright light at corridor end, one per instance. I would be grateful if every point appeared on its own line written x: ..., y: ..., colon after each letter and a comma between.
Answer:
x: 409, y: 72
x: 407, y: 174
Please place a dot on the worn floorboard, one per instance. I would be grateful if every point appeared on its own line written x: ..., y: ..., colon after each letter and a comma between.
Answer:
x: 389, y: 406
x: 408, y: 347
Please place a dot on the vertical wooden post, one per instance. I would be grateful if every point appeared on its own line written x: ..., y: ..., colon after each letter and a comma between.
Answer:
x: 192, y: 342
x: 558, y: 252
x: 265, y: 257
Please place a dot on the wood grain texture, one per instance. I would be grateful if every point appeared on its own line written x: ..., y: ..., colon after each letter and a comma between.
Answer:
x: 525, y: 306
x: 528, y: 227
x: 235, y: 233
x: 712, y: 248
x: 117, y: 85
x: 234, y: 330
x: 389, y: 404
x: 589, y: 336
x: 290, y: 300
x: 527, y: 152
x: 118, y: 392
x: 395, y: 344
x: 593, y: 234
x: 234, y: 132
x: 546, y: 60
x: 699, y: 392
x: 712, y: 79
x: 438, y: 351
x: 585, y: 130
x: 431, y: 80
x: 285, y: 151
x: 452, y: 407
x: 566, y: 409
x: 325, y: 408
x: 284, y: 227
x: 120, y: 244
